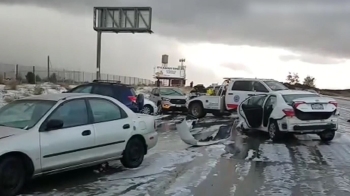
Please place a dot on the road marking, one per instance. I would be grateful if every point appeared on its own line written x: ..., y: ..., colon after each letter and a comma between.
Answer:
x: 344, y: 109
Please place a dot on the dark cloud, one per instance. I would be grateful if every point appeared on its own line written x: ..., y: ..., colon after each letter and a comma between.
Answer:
x: 320, y: 26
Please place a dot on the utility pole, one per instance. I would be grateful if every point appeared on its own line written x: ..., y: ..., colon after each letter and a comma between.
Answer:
x: 48, y: 67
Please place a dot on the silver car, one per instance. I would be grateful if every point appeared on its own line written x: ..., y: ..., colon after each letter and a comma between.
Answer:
x: 169, y: 99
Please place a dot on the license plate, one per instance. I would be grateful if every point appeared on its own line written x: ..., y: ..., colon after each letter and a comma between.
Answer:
x: 317, y: 106
x: 179, y: 106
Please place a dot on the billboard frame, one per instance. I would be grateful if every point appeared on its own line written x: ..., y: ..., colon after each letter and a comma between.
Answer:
x: 101, y: 16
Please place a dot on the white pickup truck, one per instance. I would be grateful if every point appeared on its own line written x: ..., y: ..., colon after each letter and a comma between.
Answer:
x: 231, y: 93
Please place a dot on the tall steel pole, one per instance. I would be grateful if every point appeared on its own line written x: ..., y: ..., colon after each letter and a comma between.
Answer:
x: 98, y: 57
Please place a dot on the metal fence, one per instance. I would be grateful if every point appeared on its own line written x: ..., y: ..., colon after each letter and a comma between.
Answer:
x: 12, y: 71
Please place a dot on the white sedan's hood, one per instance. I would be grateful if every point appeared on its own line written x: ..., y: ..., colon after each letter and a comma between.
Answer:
x: 8, y: 131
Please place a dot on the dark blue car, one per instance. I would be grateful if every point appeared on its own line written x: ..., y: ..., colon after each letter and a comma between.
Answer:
x: 122, y: 92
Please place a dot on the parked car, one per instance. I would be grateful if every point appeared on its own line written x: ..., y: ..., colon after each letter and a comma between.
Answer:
x: 53, y: 133
x: 149, y: 107
x: 169, y: 99
x: 290, y: 111
x: 122, y: 92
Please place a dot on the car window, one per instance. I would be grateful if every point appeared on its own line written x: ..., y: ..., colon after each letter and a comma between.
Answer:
x: 103, y: 110
x: 242, y: 86
x: 289, y: 98
x: 270, y: 101
x: 105, y: 90
x: 24, y: 114
x: 170, y: 92
x: 275, y: 85
x: 155, y: 91
x: 82, y: 89
x: 256, y: 100
x: 258, y: 87
x: 72, y: 113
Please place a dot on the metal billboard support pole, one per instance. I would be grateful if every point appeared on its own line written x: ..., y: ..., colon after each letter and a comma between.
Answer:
x: 98, y: 57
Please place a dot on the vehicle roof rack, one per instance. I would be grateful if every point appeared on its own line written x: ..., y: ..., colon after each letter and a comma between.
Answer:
x: 108, y: 81
x: 231, y: 78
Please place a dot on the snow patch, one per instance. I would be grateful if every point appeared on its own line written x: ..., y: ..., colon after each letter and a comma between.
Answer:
x: 274, y: 153
x: 192, y: 178
x: 27, y: 90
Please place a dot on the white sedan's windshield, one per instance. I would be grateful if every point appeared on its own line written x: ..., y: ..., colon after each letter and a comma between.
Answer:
x: 24, y: 114
x: 171, y: 91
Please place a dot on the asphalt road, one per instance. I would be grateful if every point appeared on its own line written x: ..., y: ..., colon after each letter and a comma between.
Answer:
x: 248, y: 165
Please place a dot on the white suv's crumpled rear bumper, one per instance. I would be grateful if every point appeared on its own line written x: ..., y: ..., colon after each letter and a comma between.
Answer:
x: 313, y: 126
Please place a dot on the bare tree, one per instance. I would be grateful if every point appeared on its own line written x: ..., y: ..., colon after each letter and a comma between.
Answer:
x: 293, y: 78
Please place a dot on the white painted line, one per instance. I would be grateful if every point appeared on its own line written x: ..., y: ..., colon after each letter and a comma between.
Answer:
x: 346, y: 109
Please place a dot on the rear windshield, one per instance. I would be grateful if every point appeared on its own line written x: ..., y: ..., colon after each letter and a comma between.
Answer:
x: 125, y: 93
x: 132, y: 91
x: 289, y: 98
x: 275, y: 85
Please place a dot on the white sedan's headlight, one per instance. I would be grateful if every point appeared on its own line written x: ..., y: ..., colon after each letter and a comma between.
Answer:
x: 165, y: 99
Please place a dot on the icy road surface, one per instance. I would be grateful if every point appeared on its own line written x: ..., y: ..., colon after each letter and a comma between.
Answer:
x: 249, y: 165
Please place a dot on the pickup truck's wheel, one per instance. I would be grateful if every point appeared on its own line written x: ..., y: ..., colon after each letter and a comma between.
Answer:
x: 147, y: 109
x: 197, y: 110
x: 12, y: 176
x: 327, y: 135
x: 274, y: 131
x: 134, y: 153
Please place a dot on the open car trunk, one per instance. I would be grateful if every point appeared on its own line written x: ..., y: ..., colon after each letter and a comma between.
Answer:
x: 253, y: 114
x: 314, y: 108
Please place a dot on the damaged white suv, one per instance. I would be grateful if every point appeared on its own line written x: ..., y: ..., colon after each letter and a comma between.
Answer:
x: 290, y: 111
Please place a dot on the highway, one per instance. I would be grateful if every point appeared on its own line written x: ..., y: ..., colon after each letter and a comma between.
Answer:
x: 247, y: 165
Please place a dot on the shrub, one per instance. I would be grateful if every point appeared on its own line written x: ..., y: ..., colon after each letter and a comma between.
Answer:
x: 38, y: 90
x: 30, y: 78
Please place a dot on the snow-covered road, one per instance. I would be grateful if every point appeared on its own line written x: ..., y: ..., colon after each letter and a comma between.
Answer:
x: 249, y: 165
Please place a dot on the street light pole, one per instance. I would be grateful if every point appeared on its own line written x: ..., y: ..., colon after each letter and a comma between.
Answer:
x: 182, y: 69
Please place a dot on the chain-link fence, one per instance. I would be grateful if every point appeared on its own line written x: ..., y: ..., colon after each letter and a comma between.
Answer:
x: 10, y: 71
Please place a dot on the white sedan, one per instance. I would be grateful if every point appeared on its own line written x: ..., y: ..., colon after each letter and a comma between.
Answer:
x: 290, y: 111
x: 53, y: 133
x: 149, y: 107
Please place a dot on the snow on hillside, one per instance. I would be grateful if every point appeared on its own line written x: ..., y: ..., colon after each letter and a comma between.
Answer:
x: 26, y: 90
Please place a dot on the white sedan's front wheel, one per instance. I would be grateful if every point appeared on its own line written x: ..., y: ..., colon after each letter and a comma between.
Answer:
x: 12, y: 175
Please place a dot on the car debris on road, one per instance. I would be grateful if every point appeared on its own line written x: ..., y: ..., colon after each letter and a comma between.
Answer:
x: 218, y: 135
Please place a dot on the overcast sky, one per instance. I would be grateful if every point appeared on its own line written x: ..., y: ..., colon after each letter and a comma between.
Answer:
x: 218, y: 38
